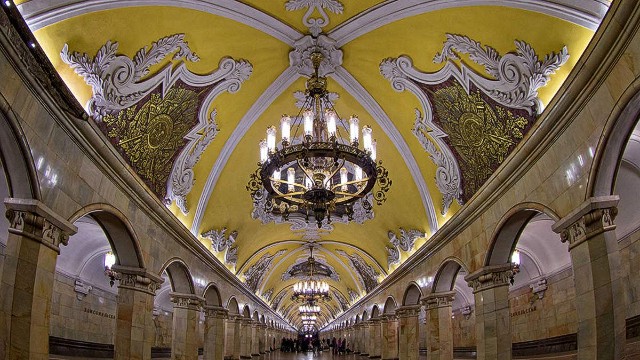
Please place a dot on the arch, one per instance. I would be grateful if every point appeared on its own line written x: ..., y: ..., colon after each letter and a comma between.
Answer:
x: 17, y: 161
x: 212, y: 295
x: 357, y: 319
x: 365, y: 316
x: 232, y: 306
x: 246, y: 312
x: 256, y: 316
x: 445, y: 278
x: 610, y: 148
x: 390, y: 306
x: 412, y: 295
x: 509, y: 229
x: 179, y: 276
x: 262, y: 319
x: 118, y: 230
x: 375, y: 312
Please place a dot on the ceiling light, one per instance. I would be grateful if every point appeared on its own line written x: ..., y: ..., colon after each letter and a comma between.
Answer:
x: 311, y: 290
x: 326, y: 171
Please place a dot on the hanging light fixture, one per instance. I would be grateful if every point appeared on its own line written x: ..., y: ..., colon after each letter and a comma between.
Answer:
x: 109, y: 261
x: 320, y: 169
x: 311, y: 290
x: 309, y: 309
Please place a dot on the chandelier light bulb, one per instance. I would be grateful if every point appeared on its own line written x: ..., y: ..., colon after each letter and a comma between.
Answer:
x: 271, y: 138
x: 343, y: 178
x: 291, y: 179
x: 285, y: 128
x: 357, y: 172
x: 264, y: 152
x: 366, y: 137
x: 515, y: 257
x: 276, y: 174
x: 308, y: 182
x: 331, y: 122
x: 109, y: 260
x: 374, y: 145
x: 354, y: 129
x: 308, y: 122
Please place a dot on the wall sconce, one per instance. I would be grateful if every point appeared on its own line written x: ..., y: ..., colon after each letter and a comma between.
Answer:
x: 515, y: 262
x: 109, y: 261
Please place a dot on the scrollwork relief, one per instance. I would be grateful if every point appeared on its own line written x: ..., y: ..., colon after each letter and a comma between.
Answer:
x: 315, y: 25
x: 256, y: 272
x: 367, y: 275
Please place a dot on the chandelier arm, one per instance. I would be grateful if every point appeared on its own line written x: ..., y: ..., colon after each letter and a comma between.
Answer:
x: 343, y: 124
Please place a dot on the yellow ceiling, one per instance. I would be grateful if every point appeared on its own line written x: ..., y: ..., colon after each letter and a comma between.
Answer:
x: 213, y: 37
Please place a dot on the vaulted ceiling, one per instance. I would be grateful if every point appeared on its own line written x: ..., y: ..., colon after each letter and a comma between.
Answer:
x: 185, y: 90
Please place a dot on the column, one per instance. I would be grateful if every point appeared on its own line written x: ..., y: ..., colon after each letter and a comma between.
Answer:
x: 364, y: 339
x: 186, y: 313
x: 245, y: 339
x: 593, y: 248
x: 439, y: 327
x: 214, y: 332
x: 374, y: 334
x: 264, y: 346
x: 135, y: 331
x: 359, y: 337
x: 389, y: 341
x: 33, y: 245
x: 493, y: 327
x: 409, y: 335
x: 232, y: 338
x: 255, y: 339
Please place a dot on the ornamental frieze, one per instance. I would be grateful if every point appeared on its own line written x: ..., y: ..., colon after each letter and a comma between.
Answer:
x: 466, y: 115
x: 159, y: 122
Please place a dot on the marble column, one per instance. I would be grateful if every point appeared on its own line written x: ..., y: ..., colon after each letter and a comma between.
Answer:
x: 255, y: 338
x: 264, y: 344
x: 389, y: 339
x: 490, y: 286
x: 135, y: 331
x: 439, y: 326
x: 33, y: 245
x: 214, y: 332
x: 184, y: 337
x: 245, y: 339
x: 409, y: 333
x: 365, y: 339
x: 232, y: 338
x: 358, y: 338
x: 374, y: 334
x: 589, y: 231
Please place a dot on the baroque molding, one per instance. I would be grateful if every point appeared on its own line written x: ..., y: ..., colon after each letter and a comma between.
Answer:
x: 513, y: 82
x: 315, y: 24
x: 367, y: 275
x: 216, y: 312
x: 34, y: 220
x: 344, y: 304
x: 405, y: 243
x: 593, y: 217
x: 408, y: 311
x: 220, y: 243
x: 490, y: 277
x: 256, y: 272
x: 186, y: 301
x: 118, y: 83
x: 439, y: 300
x: 300, y: 56
x: 137, y: 280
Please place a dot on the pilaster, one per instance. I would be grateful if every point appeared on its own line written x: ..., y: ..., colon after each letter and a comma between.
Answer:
x: 389, y: 347
x: 593, y: 247
x: 214, y: 332
x: 186, y: 311
x: 365, y: 340
x: 439, y: 326
x: 374, y: 335
x: 33, y: 244
x: 409, y: 332
x: 490, y: 286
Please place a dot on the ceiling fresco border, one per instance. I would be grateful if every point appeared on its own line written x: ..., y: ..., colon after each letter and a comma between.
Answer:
x: 512, y: 83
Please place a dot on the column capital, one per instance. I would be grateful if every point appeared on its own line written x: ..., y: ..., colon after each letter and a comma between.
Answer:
x: 439, y: 300
x: 216, y: 312
x: 137, y: 279
x: 388, y: 317
x: 593, y: 217
x: 186, y: 301
x: 408, y: 311
x: 34, y: 220
x: 490, y: 277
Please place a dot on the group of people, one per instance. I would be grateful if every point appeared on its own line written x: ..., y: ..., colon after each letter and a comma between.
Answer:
x: 336, y: 346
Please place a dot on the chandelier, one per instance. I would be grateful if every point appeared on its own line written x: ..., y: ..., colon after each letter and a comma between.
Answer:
x: 311, y: 290
x: 309, y: 309
x: 318, y: 169
x: 308, y: 318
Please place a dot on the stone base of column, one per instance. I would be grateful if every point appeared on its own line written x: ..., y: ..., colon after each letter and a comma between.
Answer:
x: 374, y: 356
x: 245, y: 357
x: 364, y: 354
x: 252, y: 355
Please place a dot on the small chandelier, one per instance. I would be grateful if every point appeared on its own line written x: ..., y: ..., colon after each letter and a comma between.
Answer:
x: 309, y: 309
x: 109, y: 261
x: 309, y: 317
x: 311, y: 290
x: 319, y: 169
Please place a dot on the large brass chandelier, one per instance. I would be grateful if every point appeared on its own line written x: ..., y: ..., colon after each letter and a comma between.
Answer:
x: 311, y: 290
x: 318, y: 169
x: 309, y: 309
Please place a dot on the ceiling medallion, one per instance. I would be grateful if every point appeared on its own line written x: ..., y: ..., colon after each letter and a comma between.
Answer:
x: 319, y: 169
